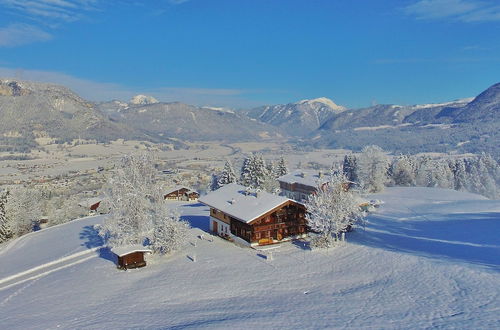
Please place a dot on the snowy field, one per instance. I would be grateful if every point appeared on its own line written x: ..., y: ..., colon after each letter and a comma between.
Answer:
x: 427, y: 258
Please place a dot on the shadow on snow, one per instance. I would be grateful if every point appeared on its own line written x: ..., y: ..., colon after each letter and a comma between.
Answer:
x: 468, y: 237
x: 94, y: 240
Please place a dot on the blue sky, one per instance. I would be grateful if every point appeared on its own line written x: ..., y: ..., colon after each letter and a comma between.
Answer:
x: 243, y: 53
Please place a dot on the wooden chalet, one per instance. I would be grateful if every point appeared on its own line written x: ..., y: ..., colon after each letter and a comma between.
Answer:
x: 254, y: 218
x: 91, y: 204
x: 181, y: 193
x: 130, y: 256
x: 299, y: 184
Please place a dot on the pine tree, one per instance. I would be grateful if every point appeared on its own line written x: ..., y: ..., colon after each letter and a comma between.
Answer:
x: 281, y: 168
x: 227, y: 176
x: 5, y: 231
x: 350, y: 168
x: 332, y: 210
x: 214, y: 183
x: 253, y: 172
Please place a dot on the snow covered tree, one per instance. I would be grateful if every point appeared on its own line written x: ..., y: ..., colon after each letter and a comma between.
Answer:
x: 214, y: 183
x: 138, y: 212
x: 170, y: 233
x: 228, y: 175
x: 332, y: 210
x: 281, y: 168
x: 253, y: 172
x: 350, y: 168
x: 373, y: 164
x: 5, y: 232
x: 23, y: 209
x: 402, y: 171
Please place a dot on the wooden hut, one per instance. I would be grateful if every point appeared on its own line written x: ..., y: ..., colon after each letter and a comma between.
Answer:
x: 181, y: 193
x: 130, y: 256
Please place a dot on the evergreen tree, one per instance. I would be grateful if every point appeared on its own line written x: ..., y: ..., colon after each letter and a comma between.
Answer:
x: 227, y: 176
x: 281, y: 168
x: 350, y: 168
x: 253, y: 172
x: 214, y: 183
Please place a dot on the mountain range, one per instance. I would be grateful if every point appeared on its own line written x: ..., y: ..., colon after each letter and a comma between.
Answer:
x: 29, y: 110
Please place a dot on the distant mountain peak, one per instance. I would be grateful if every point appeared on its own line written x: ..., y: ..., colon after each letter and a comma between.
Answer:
x: 143, y: 100
x: 323, y: 100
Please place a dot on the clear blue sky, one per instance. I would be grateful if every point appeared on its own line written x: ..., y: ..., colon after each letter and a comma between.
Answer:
x: 241, y: 53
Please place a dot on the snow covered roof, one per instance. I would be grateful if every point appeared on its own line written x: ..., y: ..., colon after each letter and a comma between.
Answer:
x: 127, y: 249
x: 174, y: 189
x: 304, y: 177
x: 90, y: 201
x: 234, y: 200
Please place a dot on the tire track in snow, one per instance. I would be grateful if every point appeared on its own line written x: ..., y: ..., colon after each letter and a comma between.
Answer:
x: 45, y: 269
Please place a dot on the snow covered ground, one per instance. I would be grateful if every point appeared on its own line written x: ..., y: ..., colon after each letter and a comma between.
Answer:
x: 428, y: 258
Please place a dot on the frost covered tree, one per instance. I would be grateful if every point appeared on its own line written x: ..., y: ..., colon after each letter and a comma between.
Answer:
x: 137, y: 208
x: 253, y: 171
x: 332, y: 210
x: 214, y: 183
x: 170, y: 233
x: 228, y: 175
x: 350, y: 168
x: 402, y: 171
x: 373, y: 164
x: 5, y: 231
x: 281, y: 167
x: 23, y: 209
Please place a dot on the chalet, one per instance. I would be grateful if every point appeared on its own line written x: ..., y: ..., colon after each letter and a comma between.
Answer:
x: 181, y: 193
x: 299, y: 184
x: 91, y: 204
x: 130, y: 256
x: 254, y: 217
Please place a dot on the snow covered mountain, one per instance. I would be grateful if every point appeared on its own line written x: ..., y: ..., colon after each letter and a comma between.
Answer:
x: 299, y: 118
x: 428, y: 258
x: 29, y: 110
x: 188, y: 123
x: 143, y: 100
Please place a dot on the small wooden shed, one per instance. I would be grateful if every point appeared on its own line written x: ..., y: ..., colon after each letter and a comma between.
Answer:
x: 130, y: 256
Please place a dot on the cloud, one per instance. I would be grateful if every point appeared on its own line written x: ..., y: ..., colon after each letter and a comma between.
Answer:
x: 103, y: 91
x: 21, y: 34
x: 57, y: 10
x: 459, y: 10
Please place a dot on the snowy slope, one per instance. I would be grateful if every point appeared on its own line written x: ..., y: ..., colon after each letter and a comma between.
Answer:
x: 428, y: 258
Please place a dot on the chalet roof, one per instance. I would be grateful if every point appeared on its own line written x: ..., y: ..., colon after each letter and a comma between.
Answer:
x: 90, y: 201
x: 127, y: 249
x: 174, y: 189
x: 236, y: 201
x: 304, y: 177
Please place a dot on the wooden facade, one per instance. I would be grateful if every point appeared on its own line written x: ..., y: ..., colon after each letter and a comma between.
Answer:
x: 182, y: 194
x: 281, y: 223
x: 132, y: 260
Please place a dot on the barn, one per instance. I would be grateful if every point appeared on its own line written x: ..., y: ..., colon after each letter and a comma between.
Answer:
x: 130, y: 256
x: 254, y: 217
